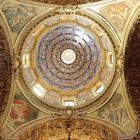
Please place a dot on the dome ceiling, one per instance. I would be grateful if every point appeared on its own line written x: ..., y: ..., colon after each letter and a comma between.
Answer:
x: 68, y: 79
x: 67, y: 60
x: 67, y: 57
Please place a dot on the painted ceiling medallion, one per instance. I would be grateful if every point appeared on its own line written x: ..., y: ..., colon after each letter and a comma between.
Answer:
x: 67, y: 60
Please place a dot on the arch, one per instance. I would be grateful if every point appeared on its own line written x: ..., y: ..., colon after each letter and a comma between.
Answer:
x: 132, y: 67
x: 5, y: 67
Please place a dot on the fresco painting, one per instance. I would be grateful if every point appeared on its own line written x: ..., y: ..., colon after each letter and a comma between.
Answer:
x: 114, y: 110
x: 117, y: 14
x: 18, y: 15
x: 21, y: 112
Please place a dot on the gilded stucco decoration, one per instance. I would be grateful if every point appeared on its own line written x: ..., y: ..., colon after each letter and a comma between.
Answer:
x: 69, y: 128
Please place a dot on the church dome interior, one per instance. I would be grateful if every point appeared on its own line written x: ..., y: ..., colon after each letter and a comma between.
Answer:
x: 69, y: 70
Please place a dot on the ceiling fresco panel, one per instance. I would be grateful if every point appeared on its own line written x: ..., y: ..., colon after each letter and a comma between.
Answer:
x: 117, y: 13
x: 18, y: 15
x: 21, y: 112
x: 116, y: 111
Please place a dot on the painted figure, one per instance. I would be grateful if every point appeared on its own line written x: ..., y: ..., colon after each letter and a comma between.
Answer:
x: 19, y: 112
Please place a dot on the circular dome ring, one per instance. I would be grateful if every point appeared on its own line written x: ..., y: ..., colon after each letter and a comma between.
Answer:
x: 53, y: 82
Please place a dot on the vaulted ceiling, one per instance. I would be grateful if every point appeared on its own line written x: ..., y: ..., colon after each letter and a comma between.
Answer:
x: 21, y: 121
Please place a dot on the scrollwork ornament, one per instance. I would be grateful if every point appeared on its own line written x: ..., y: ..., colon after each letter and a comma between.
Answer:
x: 120, y: 63
x: 68, y: 9
x: 16, y: 68
x: 83, y: 114
x: 55, y: 115
x: 70, y: 128
x: 35, y: 134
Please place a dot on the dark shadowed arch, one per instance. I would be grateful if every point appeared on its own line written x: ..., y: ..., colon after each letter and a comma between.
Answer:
x: 5, y: 70
x: 132, y: 67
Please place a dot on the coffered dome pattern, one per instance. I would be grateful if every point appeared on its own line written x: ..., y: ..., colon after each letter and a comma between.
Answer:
x: 56, y: 68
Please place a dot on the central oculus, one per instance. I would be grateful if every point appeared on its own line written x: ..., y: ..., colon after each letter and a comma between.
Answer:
x: 68, y: 56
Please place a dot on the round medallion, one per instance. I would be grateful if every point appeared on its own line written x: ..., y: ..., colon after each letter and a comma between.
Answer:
x: 68, y: 56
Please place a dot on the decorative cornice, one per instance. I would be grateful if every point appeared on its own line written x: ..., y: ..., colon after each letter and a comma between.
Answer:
x: 65, y: 2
